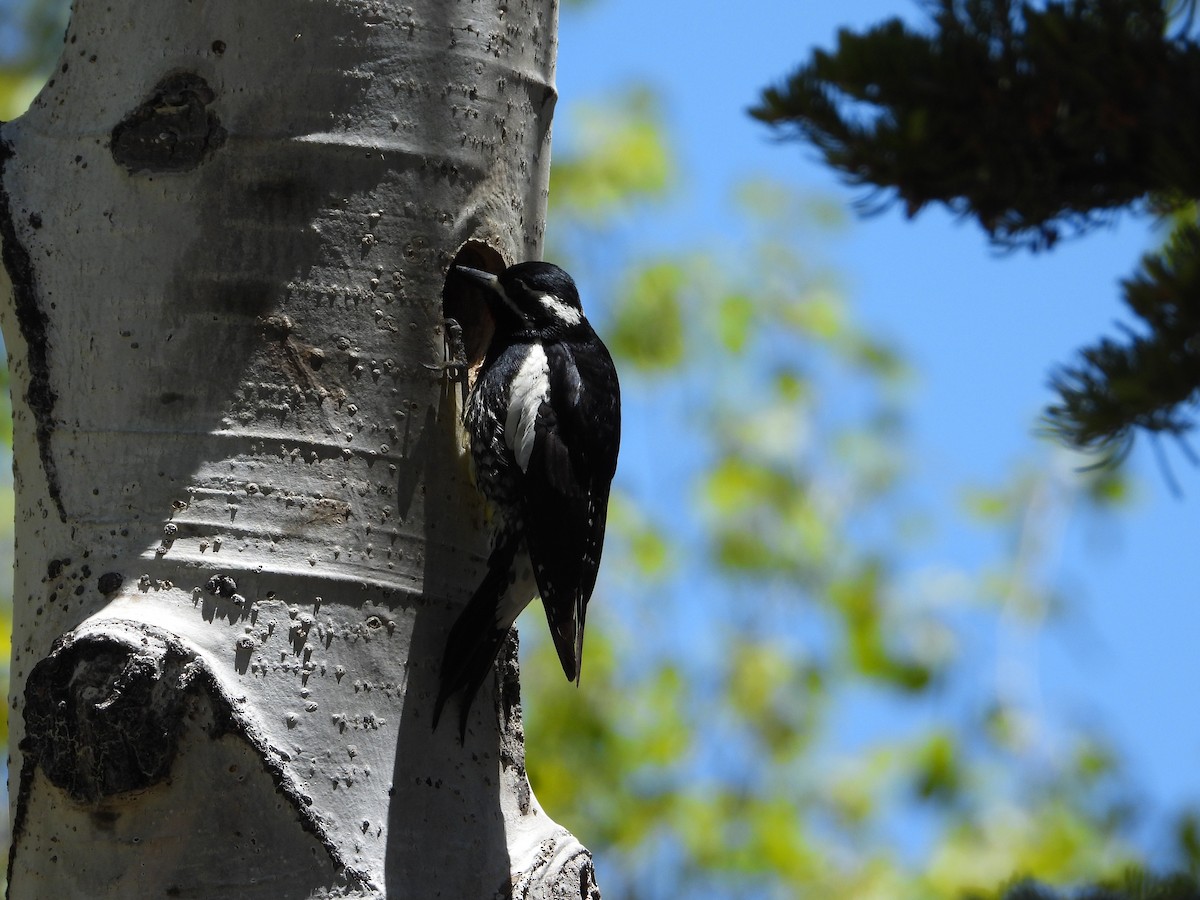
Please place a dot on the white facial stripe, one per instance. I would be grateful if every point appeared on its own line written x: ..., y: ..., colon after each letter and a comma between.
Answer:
x: 530, y: 388
x: 560, y: 310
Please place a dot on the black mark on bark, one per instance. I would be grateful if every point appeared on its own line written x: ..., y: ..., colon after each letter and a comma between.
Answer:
x: 109, y: 582
x: 171, y: 130
x: 34, y: 325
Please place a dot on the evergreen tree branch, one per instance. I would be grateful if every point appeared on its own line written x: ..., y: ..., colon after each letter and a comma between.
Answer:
x: 1035, y: 121
x: 1149, y: 379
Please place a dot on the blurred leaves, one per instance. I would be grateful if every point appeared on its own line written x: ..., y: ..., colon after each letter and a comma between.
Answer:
x: 31, y: 38
x: 764, y: 521
x: 866, y: 617
x: 622, y: 154
x: 648, y: 322
x: 17, y: 90
x: 938, y: 773
x: 643, y: 543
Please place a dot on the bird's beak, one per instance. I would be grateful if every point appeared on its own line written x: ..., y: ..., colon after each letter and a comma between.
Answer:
x: 486, y: 279
x: 490, y: 283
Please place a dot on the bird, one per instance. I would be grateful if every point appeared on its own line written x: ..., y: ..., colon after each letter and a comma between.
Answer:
x: 543, y: 421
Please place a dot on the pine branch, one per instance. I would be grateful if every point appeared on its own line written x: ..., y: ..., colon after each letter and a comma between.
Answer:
x: 1035, y: 121
x: 1038, y: 121
x: 1150, y: 379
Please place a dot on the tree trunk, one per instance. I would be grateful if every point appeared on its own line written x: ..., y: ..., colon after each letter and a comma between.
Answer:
x: 244, y: 520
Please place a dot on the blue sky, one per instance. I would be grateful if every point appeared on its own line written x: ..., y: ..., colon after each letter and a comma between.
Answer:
x: 982, y: 330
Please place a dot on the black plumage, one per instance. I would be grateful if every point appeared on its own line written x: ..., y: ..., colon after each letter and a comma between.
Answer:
x: 544, y: 422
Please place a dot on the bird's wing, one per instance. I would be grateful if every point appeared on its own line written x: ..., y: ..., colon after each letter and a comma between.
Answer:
x: 565, y: 493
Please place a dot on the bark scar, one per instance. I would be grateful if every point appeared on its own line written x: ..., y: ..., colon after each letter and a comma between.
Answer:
x: 171, y: 130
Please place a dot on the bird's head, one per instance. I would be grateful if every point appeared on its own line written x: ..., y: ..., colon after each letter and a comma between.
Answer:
x: 536, y: 296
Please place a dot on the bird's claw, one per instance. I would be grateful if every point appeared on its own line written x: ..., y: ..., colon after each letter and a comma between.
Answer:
x: 456, y: 364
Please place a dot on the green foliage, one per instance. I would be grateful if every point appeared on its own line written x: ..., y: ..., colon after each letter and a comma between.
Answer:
x: 1036, y: 119
x: 33, y: 32
x: 626, y: 158
x: 648, y: 323
x: 643, y: 545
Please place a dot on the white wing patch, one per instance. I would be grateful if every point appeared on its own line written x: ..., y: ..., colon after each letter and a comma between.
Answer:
x: 530, y: 388
x: 564, y: 312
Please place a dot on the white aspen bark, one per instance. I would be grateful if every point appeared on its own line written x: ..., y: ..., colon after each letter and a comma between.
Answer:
x: 244, y: 519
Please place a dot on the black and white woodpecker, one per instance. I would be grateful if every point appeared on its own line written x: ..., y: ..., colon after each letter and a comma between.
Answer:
x: 544, y: 424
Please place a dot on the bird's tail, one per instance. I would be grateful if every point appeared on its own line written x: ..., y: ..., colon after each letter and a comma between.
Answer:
x: 566, y: 628
x: 476, y: 637
x: 567, y: 562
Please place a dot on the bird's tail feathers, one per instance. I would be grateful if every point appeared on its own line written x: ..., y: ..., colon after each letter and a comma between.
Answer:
x: 566, y: 628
